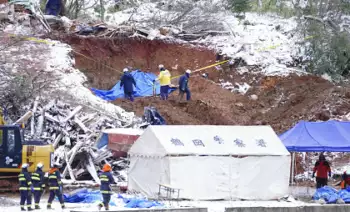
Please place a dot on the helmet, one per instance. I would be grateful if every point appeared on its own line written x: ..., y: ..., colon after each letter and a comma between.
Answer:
x: 188, y: 71
x: 25, y: 165
x: 125, y: 70
x: 39, y: 165
x: 161, y: 66
x: 57, y: 165
x: 347, y: 171
x: 107, y: 168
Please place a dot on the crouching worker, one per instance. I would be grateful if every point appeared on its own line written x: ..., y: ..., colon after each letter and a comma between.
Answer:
x: 322, y: 170
x: 38, y: 184
x: 25, y: 187
x: 106, y: 179
x: 55, y: 186
x: 345, y: 179
x: 183, y: 86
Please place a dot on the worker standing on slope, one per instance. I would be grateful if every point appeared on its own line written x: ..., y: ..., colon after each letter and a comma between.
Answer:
x: 183, y: 86
x: 38, y: 184
x: 55, y: 186
x: 128, y: 82
x: 25, y: 187
x: 106, y: 191
x: 164, y: 78
x: 322, y: 169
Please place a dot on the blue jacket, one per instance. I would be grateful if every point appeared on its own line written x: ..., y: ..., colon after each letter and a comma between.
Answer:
x: 38, y: 179
x: 53, y: 7
x: 106, y: 180
x: 24, y: 180
x: 127, y: 81
x: 183, y: 82
x: 54, y: 179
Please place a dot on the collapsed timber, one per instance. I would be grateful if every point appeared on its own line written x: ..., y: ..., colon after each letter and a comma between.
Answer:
x: 73, y: 134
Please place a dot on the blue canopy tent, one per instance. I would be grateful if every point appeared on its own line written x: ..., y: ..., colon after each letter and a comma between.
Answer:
x: 144, y: 87
x: 330, y: 136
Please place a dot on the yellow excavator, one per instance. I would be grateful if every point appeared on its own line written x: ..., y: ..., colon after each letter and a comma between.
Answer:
x: 14, y: 151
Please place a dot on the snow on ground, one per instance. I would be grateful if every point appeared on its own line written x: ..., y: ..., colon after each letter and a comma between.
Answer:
x: 213, y: 206
x: 265, y: 40
x: 53, y: 59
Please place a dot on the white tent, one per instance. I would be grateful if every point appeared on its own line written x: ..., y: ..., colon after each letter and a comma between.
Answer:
x: 210, y: 162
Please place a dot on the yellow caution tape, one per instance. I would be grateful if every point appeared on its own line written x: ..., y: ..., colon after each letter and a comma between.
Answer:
x: 206, y: 67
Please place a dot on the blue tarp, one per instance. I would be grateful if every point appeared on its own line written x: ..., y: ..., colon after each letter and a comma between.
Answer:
x: 331, y: 195
x: 152, y: 116
x: 89, y: 196
x: 144, y: 87
x: 330, y: 136
x: 103, y: 141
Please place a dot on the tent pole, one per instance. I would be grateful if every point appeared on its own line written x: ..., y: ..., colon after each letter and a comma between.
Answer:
x: 293, y: 168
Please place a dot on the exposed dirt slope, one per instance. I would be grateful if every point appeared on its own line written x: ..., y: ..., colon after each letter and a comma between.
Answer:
x: 282, y: 101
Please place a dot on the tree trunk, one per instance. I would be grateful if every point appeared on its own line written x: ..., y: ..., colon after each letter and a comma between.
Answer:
x: 102, y: 10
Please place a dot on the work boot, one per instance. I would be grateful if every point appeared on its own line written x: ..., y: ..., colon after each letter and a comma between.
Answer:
x: 37, y: 207
x: 107, y: 208
x: 29, y: 209
x: 22, y: 209
x: 49, y: 207
x: 100, y: 206
x: 63, y: 206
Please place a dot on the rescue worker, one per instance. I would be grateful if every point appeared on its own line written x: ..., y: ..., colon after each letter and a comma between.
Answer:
x: 25, y: 184
x: 38, y: 184
x: 55, y: 186
x: 345, y: 179
x: 183, y: 86
x: 164, y: 78
x: 106, y: 191
x: 128, y: 82
x: 322, y: 168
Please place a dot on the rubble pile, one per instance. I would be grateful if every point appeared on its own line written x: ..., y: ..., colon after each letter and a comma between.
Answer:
x: 74, y: 133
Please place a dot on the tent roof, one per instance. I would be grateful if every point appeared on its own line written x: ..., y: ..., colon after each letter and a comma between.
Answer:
x: 208, y: 140
x: 330, y: 136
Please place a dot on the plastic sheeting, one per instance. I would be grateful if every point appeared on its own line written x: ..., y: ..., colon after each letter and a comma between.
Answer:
x: 144, y: 87
x: 152, y: 116
x: 224, y: 177
x: 89, y: 196
x: 330, y: 136
x: 162, y: 140
x: 331, y: 195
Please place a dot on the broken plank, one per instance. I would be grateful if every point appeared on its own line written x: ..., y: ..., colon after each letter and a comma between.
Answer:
x: 24, y: 118
x: 81, y: 125
x: 72, y: 114
x: 32, y: 121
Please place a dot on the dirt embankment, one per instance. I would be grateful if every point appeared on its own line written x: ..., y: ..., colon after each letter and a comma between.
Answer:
x: 282, y: 101
x: 143, y: 54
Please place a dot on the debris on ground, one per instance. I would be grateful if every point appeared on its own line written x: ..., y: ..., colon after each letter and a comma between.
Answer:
x: 73, y: 134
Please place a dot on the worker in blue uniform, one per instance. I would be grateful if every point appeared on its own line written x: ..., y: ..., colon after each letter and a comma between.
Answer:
x: 38, y: 184
x: 25, y: 187
x: 106, y: 179
x: 183, y: 86
x: 55, y: 186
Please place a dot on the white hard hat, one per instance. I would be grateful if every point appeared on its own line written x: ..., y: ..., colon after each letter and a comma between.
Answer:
x: 347, y: 171
x: 161, y: 66
x: 39, y: 165
x: 188, y: 71
x: 125, y: 70
x: 25, y: 165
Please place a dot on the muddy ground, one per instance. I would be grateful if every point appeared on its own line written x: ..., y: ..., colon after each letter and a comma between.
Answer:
x: 282, y: 101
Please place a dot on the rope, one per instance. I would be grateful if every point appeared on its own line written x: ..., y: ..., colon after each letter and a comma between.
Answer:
x: 107, y: 66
